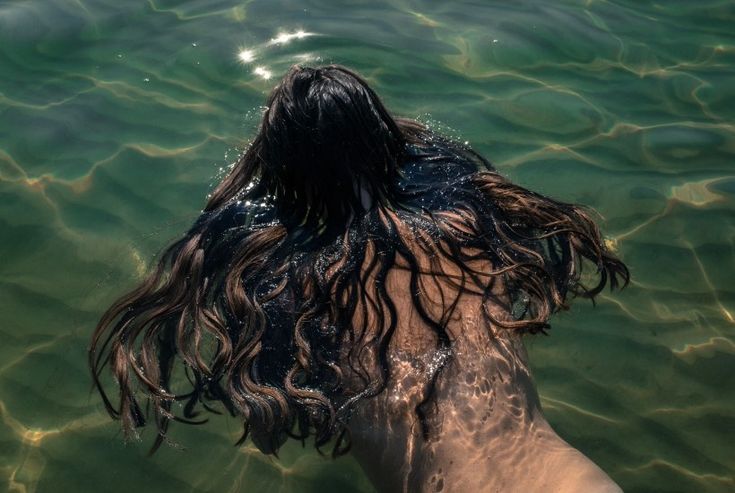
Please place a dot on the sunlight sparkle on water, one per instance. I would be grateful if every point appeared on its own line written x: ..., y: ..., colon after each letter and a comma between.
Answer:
x: 284, y: 38
x: 246, y: 56
x: 263, y: 72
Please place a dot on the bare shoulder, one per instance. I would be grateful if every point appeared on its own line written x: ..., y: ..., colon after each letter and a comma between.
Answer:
x: 454, y: 287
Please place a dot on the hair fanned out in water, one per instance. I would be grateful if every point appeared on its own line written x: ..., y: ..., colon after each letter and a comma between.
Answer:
x: 258, y: 299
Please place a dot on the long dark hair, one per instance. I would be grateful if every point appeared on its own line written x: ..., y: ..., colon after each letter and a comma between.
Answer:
x: 258, y: 305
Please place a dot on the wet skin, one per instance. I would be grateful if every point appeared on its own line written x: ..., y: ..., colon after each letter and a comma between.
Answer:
x: 487, y: 432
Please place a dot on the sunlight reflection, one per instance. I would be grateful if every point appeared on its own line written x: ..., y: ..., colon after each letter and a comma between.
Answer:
x: 246, y: 56
x: 263, y: 72
x: 284, y: 38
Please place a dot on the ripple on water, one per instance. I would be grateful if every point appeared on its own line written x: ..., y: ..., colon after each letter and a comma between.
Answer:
x: 111, y: 132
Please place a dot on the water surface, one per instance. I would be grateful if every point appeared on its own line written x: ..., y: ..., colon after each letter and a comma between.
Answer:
x: 116, y: 118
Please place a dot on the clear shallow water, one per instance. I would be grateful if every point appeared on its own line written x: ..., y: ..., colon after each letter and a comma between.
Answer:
x: 116, y: 119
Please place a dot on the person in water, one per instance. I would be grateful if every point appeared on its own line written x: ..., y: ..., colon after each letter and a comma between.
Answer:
x: 366, y: 282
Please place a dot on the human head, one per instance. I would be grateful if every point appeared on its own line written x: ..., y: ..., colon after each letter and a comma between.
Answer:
x: 326, y: 148
x: 291, y: 337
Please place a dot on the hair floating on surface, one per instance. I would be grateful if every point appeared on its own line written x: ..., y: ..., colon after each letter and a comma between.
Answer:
x: 265, y: 302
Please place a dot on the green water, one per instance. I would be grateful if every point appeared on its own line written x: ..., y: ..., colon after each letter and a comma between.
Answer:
x: 116, y: 118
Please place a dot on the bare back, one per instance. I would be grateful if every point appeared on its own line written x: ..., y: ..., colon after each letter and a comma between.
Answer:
x: 486, y: 431
x: 356, y: 276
